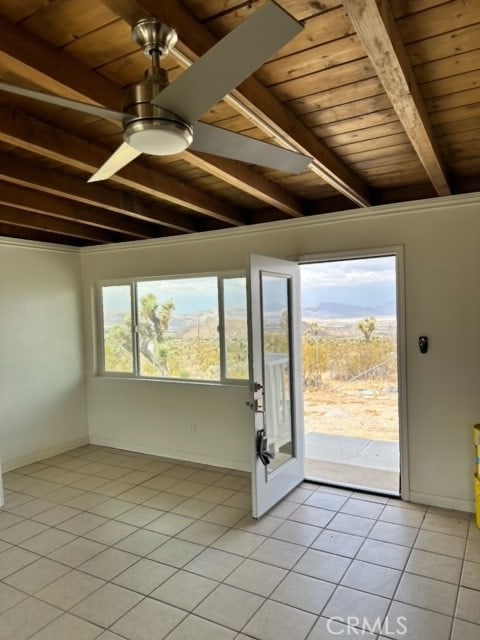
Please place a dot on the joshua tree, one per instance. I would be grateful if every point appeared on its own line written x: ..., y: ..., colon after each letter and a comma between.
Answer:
x: 367, y: 327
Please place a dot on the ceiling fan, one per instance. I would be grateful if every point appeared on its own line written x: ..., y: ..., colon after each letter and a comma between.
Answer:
x: 161, y: 119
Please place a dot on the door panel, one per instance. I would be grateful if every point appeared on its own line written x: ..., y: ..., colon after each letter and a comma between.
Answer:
x: 275, y: 375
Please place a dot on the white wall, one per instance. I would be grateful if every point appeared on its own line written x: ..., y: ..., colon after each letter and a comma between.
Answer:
x: 441, y: 240
x: 42, y: 366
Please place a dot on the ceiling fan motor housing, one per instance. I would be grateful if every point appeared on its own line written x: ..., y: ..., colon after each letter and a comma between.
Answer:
x: 153, y: 130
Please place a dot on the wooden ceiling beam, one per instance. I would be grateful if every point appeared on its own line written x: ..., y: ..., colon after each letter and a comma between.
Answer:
x: 40, y: 235
x: 252, y: 99
x: 25, y: 132
x: 32, y: 58
x: 375, y: 25
x: 58, y: 72
x: 32, y: 220
x: 20, y: 198
x: 20, y: 172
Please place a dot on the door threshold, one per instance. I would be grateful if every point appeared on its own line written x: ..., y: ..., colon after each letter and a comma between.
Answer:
x: 355, y: 487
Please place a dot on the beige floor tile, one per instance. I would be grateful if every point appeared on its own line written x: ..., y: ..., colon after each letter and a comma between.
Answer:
x: 263, y: 526
x: 256, y: 577
x: 14, y: 559
x: 446, y: 524
x: 233, y: 482
x: 56, y: 515
x: 164, y: 501
x: 240, y: 542
x: 107, y: 605
x: 427, y: 593
x: 111, y: 508
x: 315, y: 516
x: 325, y: 566
x: 149, y: 619
x: 296, y: 532
x: 77, y: 552
x: 47, y: 541
x: 385, y: 553
x: 142, y: 542
x: 193, y: 508
x: 356, y: 525
x: 303, y: 592
x: 22, y: 531
x: 463, y: 630
x: 366, y: 607
x: 108, y: 564
x: 87, y: 500
x: 330, y: 628
x: 279, y: 553
x: 470, y: 575
x: 326, y: 500
x: 9, y: 597
x: 227, y: 516
x: 8, y: 520
x: 362, y: 508
x: 229, y: 606
x: 184, y: 590
x: 37, y: 575
x: 89, y: 483
x: 472, y: 552
x: 394, y: 533
x: 342, y: 544
x: 419, y: 623
x: 215, y: 494
x: 111, y: 532
x: 113, y: 488
x: 161, y: 482
x: 63, y: 495
x: 434, y: 565
x: 202, y: 532
x: 240, y: 500
x: 68, y: 626
x: 468, y: 605
x: 145, y: 576
x: 382, y: 581
x: 440, y: 543
x: 82, y: 523
x: 214, y: 564
x: 176, y: 552
x: 70, y: 589
x: 399, y: 515
x: 179, y: 472
x: 25, y: 618
x: 170, y: 524
x: 199, y: 629
x: 139, y: 515
x: 31, y: 508
x: 299, y: 495
x: 138, y: 477
x: 275, y: 621
x: 186, y: 488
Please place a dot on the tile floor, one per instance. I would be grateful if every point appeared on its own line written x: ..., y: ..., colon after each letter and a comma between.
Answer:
x: 105, y: 544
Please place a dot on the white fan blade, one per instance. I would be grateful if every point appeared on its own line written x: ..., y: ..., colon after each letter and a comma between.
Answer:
x: 119, y: 159
x: 231, y: 145
x: 63, y: 102
x: 229, y: 62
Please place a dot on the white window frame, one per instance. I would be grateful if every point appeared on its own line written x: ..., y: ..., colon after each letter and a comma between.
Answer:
x: 135, y: 373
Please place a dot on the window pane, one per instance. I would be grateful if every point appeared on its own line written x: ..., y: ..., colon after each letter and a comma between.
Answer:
x: 178, y: 328
x: 117, y: 329
x: 236, y: 333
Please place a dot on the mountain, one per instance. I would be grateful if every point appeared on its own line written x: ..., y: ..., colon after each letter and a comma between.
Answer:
x: 338, y: 310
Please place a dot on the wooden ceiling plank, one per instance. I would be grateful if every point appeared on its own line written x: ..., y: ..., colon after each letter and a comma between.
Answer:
x: 23, y: 131
x: 32, y: 176
x: 252, y: 98
x: 41, y: 63
x: 38, y: 202
x: 261, y: 188
x: 33, y: 220
x: 41, y: 235
x: 57, y: 72
x: 376, y: 27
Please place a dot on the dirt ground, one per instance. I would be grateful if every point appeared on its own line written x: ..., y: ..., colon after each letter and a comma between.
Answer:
x: 356, y: 409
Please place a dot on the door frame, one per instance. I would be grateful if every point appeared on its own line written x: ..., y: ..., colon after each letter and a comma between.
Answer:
x: 398, y: 252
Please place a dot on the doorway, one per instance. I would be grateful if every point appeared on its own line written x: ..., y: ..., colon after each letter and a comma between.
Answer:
x: 350, y: 338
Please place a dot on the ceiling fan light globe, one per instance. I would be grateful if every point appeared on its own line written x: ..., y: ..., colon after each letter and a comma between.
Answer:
x: 159, y: 138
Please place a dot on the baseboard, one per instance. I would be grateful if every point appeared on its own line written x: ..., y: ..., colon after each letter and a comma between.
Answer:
x: 459, y: 504
x: 16, y: 463
x: 170, y: 453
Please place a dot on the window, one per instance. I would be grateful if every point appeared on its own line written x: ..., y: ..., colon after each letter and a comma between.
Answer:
x: 178, y: 328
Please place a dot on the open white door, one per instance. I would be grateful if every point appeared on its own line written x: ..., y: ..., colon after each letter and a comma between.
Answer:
x: 275, y: 379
